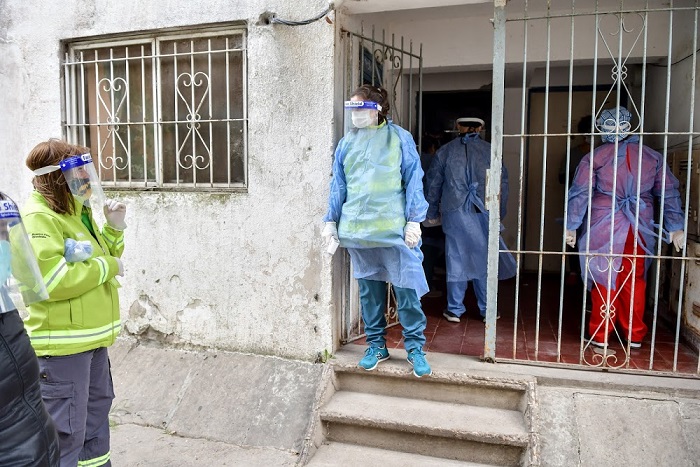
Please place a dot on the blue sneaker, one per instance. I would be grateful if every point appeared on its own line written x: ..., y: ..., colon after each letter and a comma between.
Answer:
x: 416, y: 357
x: 374, y: 355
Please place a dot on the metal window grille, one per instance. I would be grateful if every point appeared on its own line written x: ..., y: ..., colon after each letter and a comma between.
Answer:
x: 163, y: 111
x: 392, y: 63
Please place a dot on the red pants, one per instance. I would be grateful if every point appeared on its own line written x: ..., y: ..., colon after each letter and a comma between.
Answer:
x: 621, y: 300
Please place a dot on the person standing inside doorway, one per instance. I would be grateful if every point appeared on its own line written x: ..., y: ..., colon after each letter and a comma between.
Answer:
x: 70, y: 332
x: 620, y: 182
x: 456, y: 189
x: 375, y: 207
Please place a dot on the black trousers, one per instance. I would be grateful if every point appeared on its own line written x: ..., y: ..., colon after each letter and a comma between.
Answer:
x: 27, y: 434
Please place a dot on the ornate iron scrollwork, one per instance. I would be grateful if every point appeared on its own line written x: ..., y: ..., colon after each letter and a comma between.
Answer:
x: 192, y: 82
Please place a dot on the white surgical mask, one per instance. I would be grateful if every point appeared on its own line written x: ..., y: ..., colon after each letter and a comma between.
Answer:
x: 362, y: 118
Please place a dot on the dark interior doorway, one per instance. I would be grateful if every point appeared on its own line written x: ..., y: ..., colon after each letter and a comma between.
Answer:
x: 442, y: 108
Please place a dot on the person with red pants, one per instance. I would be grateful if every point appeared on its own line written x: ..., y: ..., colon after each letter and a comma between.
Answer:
x: 624, y: 178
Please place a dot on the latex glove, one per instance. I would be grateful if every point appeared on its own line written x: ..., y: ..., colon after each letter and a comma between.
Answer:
x: 330, y: 231
x: 571, y: 238
x: 75, y: 251
x: 115, y: 212
x: 432, y: 221
x: 121, y: 267
x: 411, y: 234
x: 678, y: 239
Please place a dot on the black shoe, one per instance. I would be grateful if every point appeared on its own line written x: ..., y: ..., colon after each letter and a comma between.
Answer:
x: 451, y: 317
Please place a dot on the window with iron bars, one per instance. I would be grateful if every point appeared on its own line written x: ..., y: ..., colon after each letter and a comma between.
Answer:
x: 161, y: 111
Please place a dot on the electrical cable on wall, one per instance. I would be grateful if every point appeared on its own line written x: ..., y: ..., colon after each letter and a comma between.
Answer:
x: 661, y: 65
x: 275, y: 20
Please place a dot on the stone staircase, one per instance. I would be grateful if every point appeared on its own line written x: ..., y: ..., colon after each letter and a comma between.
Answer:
x: 389, y: 417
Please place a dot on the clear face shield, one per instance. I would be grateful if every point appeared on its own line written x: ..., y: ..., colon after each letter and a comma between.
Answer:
x: 19, y: 271
x: 82, y: 180
x: 361, y: 114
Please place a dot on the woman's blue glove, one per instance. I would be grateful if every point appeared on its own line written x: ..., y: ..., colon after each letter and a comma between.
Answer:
x: 75, y: 251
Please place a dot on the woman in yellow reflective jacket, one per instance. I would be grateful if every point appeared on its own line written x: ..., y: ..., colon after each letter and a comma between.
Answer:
x: 71, y: 331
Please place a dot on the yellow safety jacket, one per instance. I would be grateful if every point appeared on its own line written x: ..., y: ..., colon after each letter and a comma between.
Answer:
x: 82, y: 312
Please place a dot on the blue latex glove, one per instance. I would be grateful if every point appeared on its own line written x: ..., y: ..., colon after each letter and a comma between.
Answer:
x: 75, y: 251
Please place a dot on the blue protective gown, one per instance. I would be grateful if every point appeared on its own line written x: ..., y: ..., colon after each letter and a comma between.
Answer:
x: 457, y: 188
x: 622, y: 217
x: 376, y: 188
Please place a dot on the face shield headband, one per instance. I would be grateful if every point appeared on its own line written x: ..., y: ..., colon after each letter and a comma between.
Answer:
x: 362, y: 113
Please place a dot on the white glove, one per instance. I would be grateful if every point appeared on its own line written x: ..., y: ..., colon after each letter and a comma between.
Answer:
x: 121, y: 267
x: 115, y: 212
x: 411, y: 234
x: 678, y: 239
x: 330, y: 231
x: 571, y: 238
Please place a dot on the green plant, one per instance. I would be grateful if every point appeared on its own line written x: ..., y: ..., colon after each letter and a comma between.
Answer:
x: 324, y: 357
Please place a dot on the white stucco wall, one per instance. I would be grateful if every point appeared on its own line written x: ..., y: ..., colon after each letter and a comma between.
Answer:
x: 242, y: 271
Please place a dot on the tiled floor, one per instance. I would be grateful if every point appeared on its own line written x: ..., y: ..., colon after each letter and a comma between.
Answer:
x: 467, y: 337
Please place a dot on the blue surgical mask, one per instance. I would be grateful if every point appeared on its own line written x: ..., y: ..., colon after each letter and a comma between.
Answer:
x: 5, y: 270
x: 469, y: 136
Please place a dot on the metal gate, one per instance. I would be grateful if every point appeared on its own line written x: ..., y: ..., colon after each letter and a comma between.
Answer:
x: 389, y: 62
x: 578, y: 59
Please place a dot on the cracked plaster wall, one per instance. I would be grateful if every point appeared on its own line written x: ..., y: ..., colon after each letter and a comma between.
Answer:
x: 237, y: 271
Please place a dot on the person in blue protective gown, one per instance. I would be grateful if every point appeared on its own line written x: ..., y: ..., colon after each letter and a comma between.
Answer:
x: 456, y: 189
x: 376, y: 204
x: 636, y: 174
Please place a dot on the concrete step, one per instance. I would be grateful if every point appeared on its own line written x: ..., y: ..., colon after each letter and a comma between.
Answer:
x: 334, y: 454
x: 440, y: 429
x: 394, y: 377
x: 457, y: 389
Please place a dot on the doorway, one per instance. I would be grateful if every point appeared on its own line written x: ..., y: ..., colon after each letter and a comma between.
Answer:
x: 442, y: 108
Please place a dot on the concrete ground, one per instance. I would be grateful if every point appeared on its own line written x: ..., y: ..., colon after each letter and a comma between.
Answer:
x: 134, y: 445
x: 180, y: 408
x: 185, y: 408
